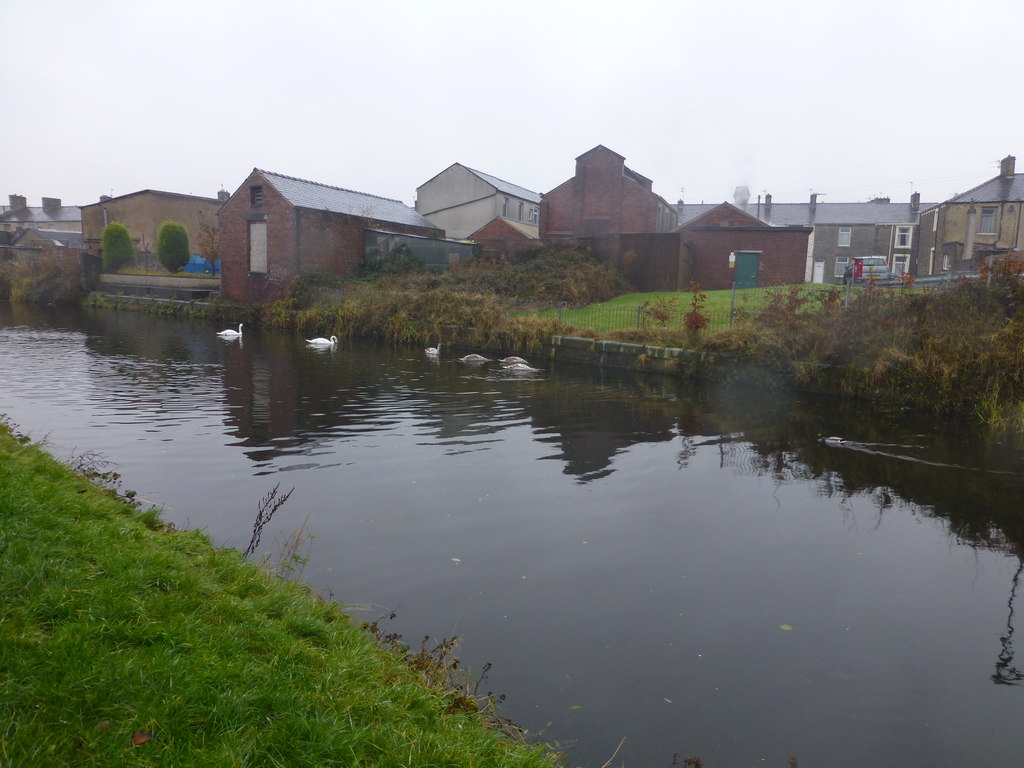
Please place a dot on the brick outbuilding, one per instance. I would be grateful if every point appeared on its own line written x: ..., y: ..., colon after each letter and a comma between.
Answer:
x: 604, y: 197
x: 710, y: 238
x: 275, y: 228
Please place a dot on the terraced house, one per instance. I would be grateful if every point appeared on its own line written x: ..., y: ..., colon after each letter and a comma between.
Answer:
x: 978, y: 225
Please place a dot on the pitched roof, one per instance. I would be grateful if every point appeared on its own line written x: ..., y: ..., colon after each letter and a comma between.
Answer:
x: 63, y: 239
x: 323, y: 197
x: 998, y: 190
x: 33, y: 215
x: 506, y: 187
x: 152, y: 192
x: 783, y: 214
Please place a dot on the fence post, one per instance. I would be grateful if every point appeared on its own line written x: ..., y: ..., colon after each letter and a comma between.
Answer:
x: 732, y: 302
x: 639, y: 316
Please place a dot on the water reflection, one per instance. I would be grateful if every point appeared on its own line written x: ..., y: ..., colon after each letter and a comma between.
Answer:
x: 626, y: 547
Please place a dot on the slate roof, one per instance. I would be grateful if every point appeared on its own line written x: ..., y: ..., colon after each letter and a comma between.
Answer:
x: 38, y: 215
x: 998, y: 190
x: 504, y: 186
x: 64, y: 239
x: 323, y: 197
x: 785, y: 214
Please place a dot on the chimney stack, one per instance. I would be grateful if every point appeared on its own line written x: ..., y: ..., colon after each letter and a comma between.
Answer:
x: 223, y: 196
x: 1006, y: 166
x: 50, y: 203
x: 767, y: 206
x: 17, y: 201
x: 814, y: 200
x: 915, y: 202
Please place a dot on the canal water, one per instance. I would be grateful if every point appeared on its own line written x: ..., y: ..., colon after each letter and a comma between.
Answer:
x: 643, y: 565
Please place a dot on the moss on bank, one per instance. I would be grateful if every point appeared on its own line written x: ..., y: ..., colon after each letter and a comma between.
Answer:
x: 124, y: 642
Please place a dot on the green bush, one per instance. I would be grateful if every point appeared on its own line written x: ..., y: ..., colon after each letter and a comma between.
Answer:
x: 172, y: 246
x: 118, y: 249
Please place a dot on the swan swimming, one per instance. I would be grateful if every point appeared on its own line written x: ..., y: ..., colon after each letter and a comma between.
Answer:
x: 831, y: 440
x: 474, y: 358
x: 320, y: 341
x: 433, y: 351
x: 230, y: 333
x: 519, y: 367
x: 512, y: 359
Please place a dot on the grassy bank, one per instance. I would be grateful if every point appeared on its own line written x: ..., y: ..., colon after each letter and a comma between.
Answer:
x: 955, y: 352
x: 125, y: 643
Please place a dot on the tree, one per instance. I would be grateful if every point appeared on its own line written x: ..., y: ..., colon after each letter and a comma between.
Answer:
x: 118, y: 250
x: 172, y: 246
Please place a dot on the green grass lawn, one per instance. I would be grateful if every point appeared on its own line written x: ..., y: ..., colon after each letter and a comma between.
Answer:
x: 123, y: 643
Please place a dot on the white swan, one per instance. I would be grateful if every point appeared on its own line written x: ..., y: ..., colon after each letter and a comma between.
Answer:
x: 433, y: 351
x: 320, y: 341
x: 831, y: 440
x: 474, y: 358
x: 229, y: 333
x: 519, y: 367
x: 512, y: 359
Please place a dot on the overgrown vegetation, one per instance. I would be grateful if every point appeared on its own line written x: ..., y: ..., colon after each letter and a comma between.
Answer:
x: 172, y: 246
x: 125, y: 642
x: 48, y: 279
x: 118, y: 249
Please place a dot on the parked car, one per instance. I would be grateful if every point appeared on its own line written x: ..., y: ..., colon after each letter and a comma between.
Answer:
x: 871, y: 268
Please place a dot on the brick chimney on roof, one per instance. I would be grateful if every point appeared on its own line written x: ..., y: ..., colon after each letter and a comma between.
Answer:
x: 50, y: 203
x: 1006, y: 166
x: 17, y: 201
x: 915, y: 202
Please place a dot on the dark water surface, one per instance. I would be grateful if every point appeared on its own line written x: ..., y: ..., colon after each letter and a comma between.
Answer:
x: 686, y: 569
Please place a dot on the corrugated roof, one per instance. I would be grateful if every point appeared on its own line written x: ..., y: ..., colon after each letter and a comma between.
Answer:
x: 784, y: 214
x: 998, y: 190
x: 504, y: 186
x: 323, y: 197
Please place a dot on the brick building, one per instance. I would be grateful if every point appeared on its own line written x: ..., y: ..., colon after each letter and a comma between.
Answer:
x: 275, y: 228
x: 710, y: 239
x: 604, y: 197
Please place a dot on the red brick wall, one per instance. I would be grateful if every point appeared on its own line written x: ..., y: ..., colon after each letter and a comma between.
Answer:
x: 783, y: 254
x: 300, y: 241
x: 498, y: 229
x: 599, y: 200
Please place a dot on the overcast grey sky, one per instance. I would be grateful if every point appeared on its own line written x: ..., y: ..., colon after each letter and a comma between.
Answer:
x: 847, y: 99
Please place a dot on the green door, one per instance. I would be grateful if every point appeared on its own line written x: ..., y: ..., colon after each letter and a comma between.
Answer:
x: 747, y: 263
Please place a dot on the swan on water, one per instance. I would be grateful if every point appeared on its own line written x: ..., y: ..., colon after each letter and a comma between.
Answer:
x: 831, y: 440
x: 518, y: 367
x: 474, y: 358
x: 433, y: 351
x: 320, y: 341
x: 512, y: 359
x: 229, y: 333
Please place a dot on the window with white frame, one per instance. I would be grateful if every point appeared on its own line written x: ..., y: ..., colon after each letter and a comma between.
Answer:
x: 987, y: 222
x: 903, y: 237
x: 845, y: 235
x: 945, y: 261
x: 899, y: 263
x: 504, y: 207
x: 841, y: 262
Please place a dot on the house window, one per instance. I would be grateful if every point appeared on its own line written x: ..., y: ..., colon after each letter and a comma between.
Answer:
x: 520, y: 211
x: 258, y: 246
x: 945, y: 261
x: 841, y: 262
x: 903, y: 237
x: 533, y: 215
x: 935, y: 221
x: 899, y: 264
x: 845, y: 234
x: 256, y: 194
x: 987, y: 222
x: 504, y: 207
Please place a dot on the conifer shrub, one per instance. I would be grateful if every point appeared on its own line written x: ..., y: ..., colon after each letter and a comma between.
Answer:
x: 172, y: 246
x: 118, y: 249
